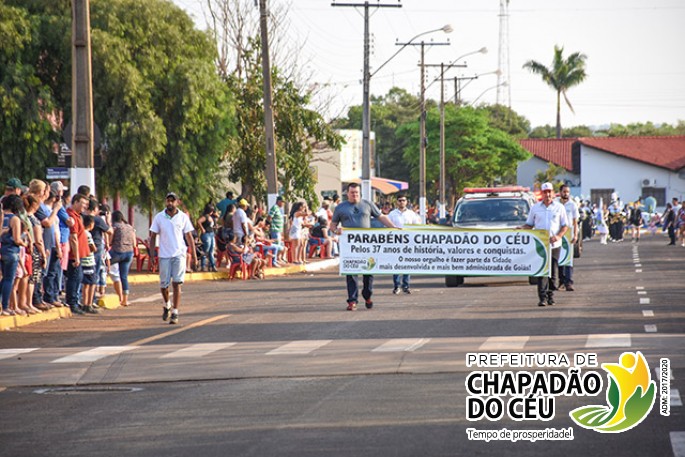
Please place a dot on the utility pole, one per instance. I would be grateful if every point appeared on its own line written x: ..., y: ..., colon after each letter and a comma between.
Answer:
x: 422, y: 126
x: 82, y: 165
x: 443, y: 198
x: 271, y: 176
x: 366, y: 104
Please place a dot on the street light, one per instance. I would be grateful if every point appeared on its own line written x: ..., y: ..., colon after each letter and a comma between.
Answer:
x: 366, y: 110
x: 503, y: 84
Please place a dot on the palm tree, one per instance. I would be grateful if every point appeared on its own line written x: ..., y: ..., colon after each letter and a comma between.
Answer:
x: 564, y: 74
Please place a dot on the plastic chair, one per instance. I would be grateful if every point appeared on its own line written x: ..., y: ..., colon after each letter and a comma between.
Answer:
x: 141, y: 253
x: 237, y: 264
x: 318, y: 243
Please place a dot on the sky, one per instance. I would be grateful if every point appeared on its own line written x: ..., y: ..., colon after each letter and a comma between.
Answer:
x: 634, y: 49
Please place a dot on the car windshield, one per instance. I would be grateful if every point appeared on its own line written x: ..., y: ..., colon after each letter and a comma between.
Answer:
x: 492, y: 210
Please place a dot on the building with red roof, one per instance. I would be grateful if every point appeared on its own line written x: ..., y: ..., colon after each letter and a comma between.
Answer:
x: 598, y: 166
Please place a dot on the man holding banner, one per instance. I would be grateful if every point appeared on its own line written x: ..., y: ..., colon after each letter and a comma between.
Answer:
x: 356, y: 213
x: 548, y: 215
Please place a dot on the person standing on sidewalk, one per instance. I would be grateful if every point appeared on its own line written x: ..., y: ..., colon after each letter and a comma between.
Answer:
x: 402, y: 216
x: 551, y: 216
x: 78, y: 249
x: 572, y: 216
x: 357, y: 213
x: 172, y: 226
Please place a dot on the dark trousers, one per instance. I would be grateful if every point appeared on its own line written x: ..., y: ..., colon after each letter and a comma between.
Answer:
x: 404, y: 281
x: 547, y: 285
x: 51, y: 285
x: 74, y: 278
x: 353, y: 287
x: 671, y: 233
x: 566, y: 275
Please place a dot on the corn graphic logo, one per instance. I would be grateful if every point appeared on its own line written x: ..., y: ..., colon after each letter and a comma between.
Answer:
x: 370, y: 263
x: 630, y: 397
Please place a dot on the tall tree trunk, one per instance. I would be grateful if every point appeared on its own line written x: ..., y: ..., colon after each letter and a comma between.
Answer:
x: 558, y: 114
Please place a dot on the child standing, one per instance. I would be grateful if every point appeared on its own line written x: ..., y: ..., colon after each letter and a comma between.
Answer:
x: 88, y: 264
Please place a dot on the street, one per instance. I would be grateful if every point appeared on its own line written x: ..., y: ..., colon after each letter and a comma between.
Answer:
x: 278, y: 367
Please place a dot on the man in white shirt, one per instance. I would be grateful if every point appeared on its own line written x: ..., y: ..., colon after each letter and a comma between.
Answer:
x: 172, y: 226
x: 242, y: 225
x: 551, y: 216
x: 402, y: 216
x: 572, y: 216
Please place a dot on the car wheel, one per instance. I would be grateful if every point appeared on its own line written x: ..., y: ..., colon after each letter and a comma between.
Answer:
x: 454, y: 281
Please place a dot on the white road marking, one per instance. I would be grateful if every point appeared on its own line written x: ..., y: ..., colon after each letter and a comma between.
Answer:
x: 642, y: 292
x: 657, y: 370
x: 650, y: 328
x: 197, y: 350
x: 94, y: 354
x: 401, y: 345
x: 9, y: 353
x: 644, y: 301
x: 675, y: 398
x: 639, y: 288
x: 678, y: 444
x: 299, y: 347
x: 182, y: 328
x: 619, y: 340
x: 638, y: 271
x: 647, y: 313
x: 638, y: 265
x: 497, y: 343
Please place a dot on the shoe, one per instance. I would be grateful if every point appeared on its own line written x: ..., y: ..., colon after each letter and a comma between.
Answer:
x: 165, y: 313
x: 368, y: 303
x: 396, y: 291
x: 542, y: 303
x: 550, y: 301
x: 76, y: 310
x: 213, y: 269
x: 57, y: 304
x: 351, y: 306
x: 90, y: 310
x: 174, y: 319
x: 569, y: 288
x: 561, y: 287
x: 407, y: 291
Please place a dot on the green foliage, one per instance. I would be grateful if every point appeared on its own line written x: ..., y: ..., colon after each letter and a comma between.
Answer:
x: 476, y: 153
x: 26, y: 136
x: 644, y: 129
x: 550, y: 175
x: 506, y: 119
x: 165, y: 114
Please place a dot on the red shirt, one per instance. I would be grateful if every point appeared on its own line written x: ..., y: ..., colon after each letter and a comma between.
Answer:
x: 80, y: 231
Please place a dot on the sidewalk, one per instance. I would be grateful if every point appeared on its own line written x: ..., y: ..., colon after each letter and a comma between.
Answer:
x: 111, y: 301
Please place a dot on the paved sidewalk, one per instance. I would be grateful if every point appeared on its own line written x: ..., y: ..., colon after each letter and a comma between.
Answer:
x: 111, y: 301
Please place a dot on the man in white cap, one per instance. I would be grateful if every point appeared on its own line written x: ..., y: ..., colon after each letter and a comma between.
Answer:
x: 242, y: 225
x: 548, y: 215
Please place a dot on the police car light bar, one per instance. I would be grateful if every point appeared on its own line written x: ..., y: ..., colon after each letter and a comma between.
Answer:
x: 490, y: 190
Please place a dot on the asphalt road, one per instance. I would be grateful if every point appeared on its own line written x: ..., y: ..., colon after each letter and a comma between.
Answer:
x: 278, y: 367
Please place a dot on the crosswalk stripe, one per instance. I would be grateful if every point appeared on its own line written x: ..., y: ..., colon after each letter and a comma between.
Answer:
x: 638, y: 271
x: 299, y: 347
x: 94, y: 354
x: 639, y: 287
x: 638, y: 265
x: 9, y: 353
x: 650, y: 328
x: 619, y: 340
x: 197, y: 350
x: 644, y: 301
x: 642, y: 292
x: 498, y: 343
x: 648, y: 313
x: 401, y: 345
x: 678, y: 443
x: 675, y: 398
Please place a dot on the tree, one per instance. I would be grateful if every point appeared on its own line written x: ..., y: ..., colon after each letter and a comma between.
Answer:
x: 550, y: 175
x: 507, y: 120
x: 26, y: 101
x: 476, y: 153
x: 561, y: 76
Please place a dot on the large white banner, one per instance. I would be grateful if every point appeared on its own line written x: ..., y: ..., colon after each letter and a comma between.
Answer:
x: 445, y: 251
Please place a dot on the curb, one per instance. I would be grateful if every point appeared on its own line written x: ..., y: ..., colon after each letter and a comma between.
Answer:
x: 111, y: 301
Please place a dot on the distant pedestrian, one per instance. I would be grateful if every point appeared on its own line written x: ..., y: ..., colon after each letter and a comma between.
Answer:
x: 635, y: 221
x: 357, y: 213
x: 172, y: 227
x: 10, y: 243
x: 402, y: 216
x: 78, y: 249
x: 121, y: 254
x: 572, y: 215
x: 551, y: 216
x: 668, y: 222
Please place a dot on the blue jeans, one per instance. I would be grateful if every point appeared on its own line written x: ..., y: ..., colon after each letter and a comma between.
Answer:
x: 124, y: 260
x: 10, y: 261
x: 51, y: 285
x: 566, y: 276
x: 207, y: 239
x: 100, y: 267
x: 405, y: 281
x: 353, y: 287
x: 74, y: 278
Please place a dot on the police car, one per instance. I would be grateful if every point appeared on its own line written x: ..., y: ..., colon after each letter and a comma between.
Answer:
x: 492, y: 208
